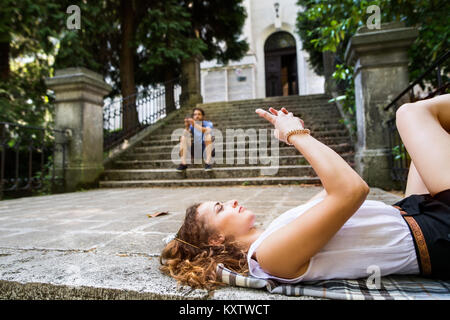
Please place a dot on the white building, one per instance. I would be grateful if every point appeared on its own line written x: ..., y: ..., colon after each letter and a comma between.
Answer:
x: 275, y: 64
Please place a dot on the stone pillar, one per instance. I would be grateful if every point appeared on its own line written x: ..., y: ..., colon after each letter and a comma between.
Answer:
x: 380, y: 60
x: 191, y: 82
x: 79, y: 106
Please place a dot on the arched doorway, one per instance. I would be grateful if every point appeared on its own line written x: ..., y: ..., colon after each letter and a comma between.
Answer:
x: 280, y: 56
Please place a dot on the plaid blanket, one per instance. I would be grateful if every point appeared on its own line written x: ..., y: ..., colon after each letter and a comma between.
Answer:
x: 398, y: 287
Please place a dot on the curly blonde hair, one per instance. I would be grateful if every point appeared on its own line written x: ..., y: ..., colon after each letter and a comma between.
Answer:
x: 196, y: 267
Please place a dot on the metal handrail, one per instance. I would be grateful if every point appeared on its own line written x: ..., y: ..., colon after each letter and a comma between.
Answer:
x: 141, y: 92
x: 149, y: 105
x: 17, y: 181
x: 399, y: 159
x: 435, y: 65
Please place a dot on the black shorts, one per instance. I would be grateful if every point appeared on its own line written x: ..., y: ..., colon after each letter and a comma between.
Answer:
x: 429, y: 221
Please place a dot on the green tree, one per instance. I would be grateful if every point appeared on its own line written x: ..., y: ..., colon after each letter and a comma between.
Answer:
x: 219, y: 25
x: 164, y: 45
x: 175, y: 30
x: 140, y: 43
x: 328, y: 26
x: 133, y: 44
x: 27, y: 37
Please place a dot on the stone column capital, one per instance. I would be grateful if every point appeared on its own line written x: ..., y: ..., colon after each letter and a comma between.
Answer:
x: 392, y: 37
x: 78, y: 84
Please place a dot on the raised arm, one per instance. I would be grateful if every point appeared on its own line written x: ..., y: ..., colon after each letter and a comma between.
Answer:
x: 320, y: 194
x: 286, y: 251
x: 198, y: 126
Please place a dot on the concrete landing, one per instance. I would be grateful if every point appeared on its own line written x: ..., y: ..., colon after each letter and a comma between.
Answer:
x: 100, y: 244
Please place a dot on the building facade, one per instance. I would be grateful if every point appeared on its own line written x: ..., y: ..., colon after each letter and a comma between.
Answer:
x: 275, y: 65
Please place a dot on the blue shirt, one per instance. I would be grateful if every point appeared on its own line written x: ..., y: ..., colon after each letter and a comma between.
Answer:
x: 197, y: 134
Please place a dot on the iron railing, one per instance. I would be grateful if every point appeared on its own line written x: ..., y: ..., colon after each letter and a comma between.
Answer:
x: 27, y: 160
x: 399, y: 157
x: 126, y: 117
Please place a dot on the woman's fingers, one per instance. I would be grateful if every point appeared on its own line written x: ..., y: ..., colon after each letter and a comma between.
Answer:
x: 290, y: 114
x: 269, y: 117
x: 272, y: 116
x: 277, y: 113
x: 273, y: 111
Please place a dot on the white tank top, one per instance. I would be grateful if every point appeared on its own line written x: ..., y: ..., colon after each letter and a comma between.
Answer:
x: 376, y: 235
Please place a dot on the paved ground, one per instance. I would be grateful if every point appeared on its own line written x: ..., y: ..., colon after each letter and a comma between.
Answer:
x: 102, y: 244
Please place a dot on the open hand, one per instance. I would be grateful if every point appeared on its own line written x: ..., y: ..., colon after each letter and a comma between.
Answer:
x: 283, y: 120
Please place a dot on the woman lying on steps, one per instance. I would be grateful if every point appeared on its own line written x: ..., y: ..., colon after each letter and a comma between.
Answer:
x: 337, y: 234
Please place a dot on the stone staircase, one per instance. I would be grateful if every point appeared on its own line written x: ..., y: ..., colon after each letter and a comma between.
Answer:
x: 149, y: 162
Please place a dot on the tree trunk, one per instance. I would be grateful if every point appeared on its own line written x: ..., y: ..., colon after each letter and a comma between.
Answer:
x: 168, y: 89
x: 4, y: 59
x: 329, y: 67
x: 130, y: 120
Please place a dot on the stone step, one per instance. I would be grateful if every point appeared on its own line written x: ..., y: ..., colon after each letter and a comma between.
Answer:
x: 212, y: 182
x: 159, y: 163
x: 293, y: 107
x: 215, y: 173
x: 323, y: 118
x: 233, y: 112
x: 279, y: 103
x: 164, y: 151
x: 236, y: 115
x: 251, y: 121
x: 150, y: 162
x: 311, y: 97
x: 244, y: 114
x: 286, y: 99
x: 315, y: 129
x: 318, y: 135
x: 310, y: 117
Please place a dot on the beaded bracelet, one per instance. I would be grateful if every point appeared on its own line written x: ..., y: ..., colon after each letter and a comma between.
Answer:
x: 295, y: 131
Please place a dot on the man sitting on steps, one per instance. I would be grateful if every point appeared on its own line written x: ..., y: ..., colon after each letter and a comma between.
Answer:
x: 198, y: 131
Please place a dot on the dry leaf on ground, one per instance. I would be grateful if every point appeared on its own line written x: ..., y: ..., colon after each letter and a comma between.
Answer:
x: 156, y: 214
